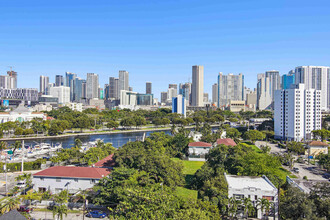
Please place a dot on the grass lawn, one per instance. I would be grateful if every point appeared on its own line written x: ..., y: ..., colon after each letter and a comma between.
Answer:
x: 185, y: 193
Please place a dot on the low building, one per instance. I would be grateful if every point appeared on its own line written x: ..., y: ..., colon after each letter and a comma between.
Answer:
x: 74, y: 106
x: 21, y: 114
x: 226, y: 141
x: 198, y: 150
x: 314, y: 148
x: 236, y: 105
x: 254, y: 188
x: 61, y: 92
x: 74, y: 179
x: 107, y: 162
x: 96, y: 103
x: 42, y: 107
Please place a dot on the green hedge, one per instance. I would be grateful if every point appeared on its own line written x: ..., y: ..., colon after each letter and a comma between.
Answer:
x: 33, y: 165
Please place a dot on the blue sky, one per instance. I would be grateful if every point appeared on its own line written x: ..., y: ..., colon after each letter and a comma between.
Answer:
x: 159, y: 41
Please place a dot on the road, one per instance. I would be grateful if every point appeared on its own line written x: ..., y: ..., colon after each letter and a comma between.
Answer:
x: 49, y: 216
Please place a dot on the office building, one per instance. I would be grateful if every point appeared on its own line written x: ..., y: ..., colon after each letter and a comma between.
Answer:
x: 128, y: 98
x: 79, y: 92
x: 44, y: 81
x: 144, y: 99
x: 171, y: 92
x: 62, y: 93
x: 297, y: 112
x: 288, y: 80
x: 251, y: 100
x: 315, y: 77
x: 163, y: 97
x: 100, y: 93
x: 186, y: 92
x: 92, y: 86
x: 179, y: 105
x: 114, y: 88
x: 215, y: 94
x: 59, y: 80
x: 148, y: 88
x: 106, y: 92
x: 26, y: 94
x: 123, y: 80
x: 197, y: 88
x: 264, y: 99
x: 230, y: 87
x: 275, y: 81
x: 69, y: 82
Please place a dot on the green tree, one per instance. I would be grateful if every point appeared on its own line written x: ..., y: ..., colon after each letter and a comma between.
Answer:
x: 59, y: 211
x: 9, y: 204
x: 324, y: 161
x: 30, y: 196
x: 254, y: 135
x: 323, y: 134
x: 232, y: 133
x: 19, y: 131
x: 112, y: 124
x: 296, y: 147
x: 127, y: 122
x: 139, y: 121
x: 248, y: 207
x: 264, y: 205
x: 3, y: 145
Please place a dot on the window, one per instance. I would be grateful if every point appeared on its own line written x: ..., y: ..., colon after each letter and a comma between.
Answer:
x: 42, y: 179
x: 255, y: 197
x: 92, y: 181
x: 58, y: 179
x: 76, y: 180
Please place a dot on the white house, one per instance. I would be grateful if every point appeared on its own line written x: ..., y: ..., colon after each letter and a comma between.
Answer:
x: 21, y: 114
x: 197, y: 150
x: 255, y: 188
x: 74, y: 179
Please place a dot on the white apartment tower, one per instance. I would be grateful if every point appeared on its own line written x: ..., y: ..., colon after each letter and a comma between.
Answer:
x: 264, y: 99
x: 230, y: 88
x: 123, y: 83
x: 44, y: 81
x: 197, y: 88
x: 61, y: 92
x: 215, y: 94
x: 92, y: 86
x: 315, y: 77
x: 297, y: 112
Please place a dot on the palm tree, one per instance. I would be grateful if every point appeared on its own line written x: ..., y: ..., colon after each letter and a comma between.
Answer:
x: 264, y: 205
x: 61, y: 197
x: 248, y: 206
x: 233, y: 206
x: 26, y: 177
x: 59, y: 211
x: 9, y: 204
x: 30, y: 196
x: 83, y: 196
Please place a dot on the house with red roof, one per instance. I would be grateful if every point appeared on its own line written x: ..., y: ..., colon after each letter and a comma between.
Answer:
x: 107, y: 162
x: 315, y: 148
x: 198, y: 150
x: 58, y: 178
x: 226, y: 141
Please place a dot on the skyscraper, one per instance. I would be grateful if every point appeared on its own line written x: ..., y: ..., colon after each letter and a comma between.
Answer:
x: 148, y: 88
x: 44, y: 81
x: 13, y: 80
x: 69, y: 82
x: 179, y: 105
x: 92, y: 85
x: 288, y: 80
x: 230, y: 88
x: 163, y: 97
x: 172, y: 91
x: 123, y: 80
x: 78, y: 91
x: 215, y: 93
x: 114, y: 88
x: 315, y: 77
x: 62, y: 93
x: 275, y: 81
x: 197, y: 89
x: 297, y: 112
x: 59, y: 80
x: 264, y: 100
x: 186, y: 92
x: 106, y: 92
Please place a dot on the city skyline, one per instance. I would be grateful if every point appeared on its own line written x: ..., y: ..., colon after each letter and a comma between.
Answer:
x: 158, y: 41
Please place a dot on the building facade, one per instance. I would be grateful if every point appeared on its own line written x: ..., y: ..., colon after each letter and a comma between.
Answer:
x: 163, y: 97
x: 297, y: 113
x: 62, y: 93
x: 197, y: 87
x: 123, y: 82
x: 264, y: 99
x: 43, y: 87
x: 148, y: 88
x: 59, y: 80
x: 26, y: 94
x: 288, y: 80
x: 179, y: 105
x: 92, y: 86
x: 230, y: 87
x: 128, y: 98
x: 144, y: 99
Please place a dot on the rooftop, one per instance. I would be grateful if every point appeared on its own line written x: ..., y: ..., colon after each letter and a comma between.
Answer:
x: 317, y: 143
x: 226, y: 141
x: 199, y: 144
x: 74, y: 172
x: 241, y: 182
x: 106, y: 162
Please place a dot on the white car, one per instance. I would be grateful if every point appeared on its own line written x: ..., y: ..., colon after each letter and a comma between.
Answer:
x: 21, y: 184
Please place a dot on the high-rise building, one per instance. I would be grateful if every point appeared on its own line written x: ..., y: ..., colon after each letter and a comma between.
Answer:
x: 264, y: 100
x: 171, y: 92
x: 179, y: 105
x: 215, y: 93
x: 197, y: 88
x: 315, y: 77
x: 69, y: 82
x: 163, y: 97
x: 205, y: 98
x: 114, y: 88
x: 275, y: 81
x: 44, y: 81
x: 148, y: 88
x: 62, y: 93
x: 106, y: 92
x: 78, y: 90
x: 186, y: 92
x: 288, y: 80
x: 128, y: 98
x: 5, y: 82
x: 251, y: 100
x: 230, y: 87
x: 144, y: 99
x: 123, y: 80
x: 297, y: 112
x: 59, y: 80
x: 92, y: 86
x: 13, y: 75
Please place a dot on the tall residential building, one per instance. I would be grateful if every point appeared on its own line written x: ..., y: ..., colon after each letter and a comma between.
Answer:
x: 114, y: 88
x: 92, y: 86
x: 197, y: 88
x: 6, y: 82
x: 163, y: 97
x: 128, y: 98
x: 171, y: 92
x: 148, y: 88
x: 275, y: 81
x: 288, y: 80
x: 123, y: 80
x: 78, y: 90
x: 174, y: 90
x: 264, y: 99
x: 215, y: 93
x: 69, y: 82
x: 179, y: 105
x: 297, y: 112
x: 13, y: 75
x: 59, y: 80
x: 186, y: 92
x: 315, y: 77
x: 230, y: 88
x: 62, y: 93
x: 44, y: 81
x: 206, y: 98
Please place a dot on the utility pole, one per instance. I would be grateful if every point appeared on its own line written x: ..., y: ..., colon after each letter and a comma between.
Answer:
x: 23, y: 151
x: 6, y: 174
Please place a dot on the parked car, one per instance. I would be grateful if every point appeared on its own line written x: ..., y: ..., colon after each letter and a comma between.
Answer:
x: 296, y: 169
x: 21, y: 184
x: 24, y: 208
x: 96, y: 214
